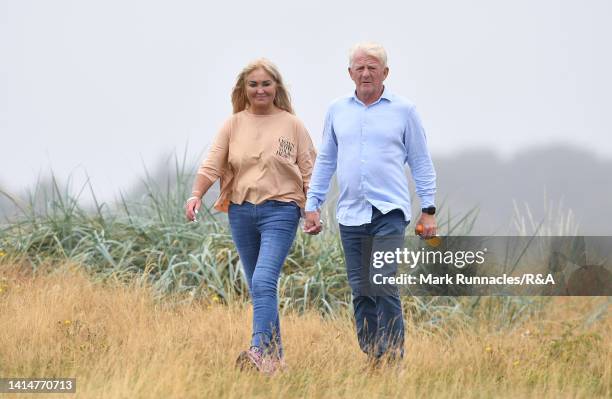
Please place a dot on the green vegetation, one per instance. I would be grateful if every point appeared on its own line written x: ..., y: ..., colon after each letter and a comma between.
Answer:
x: 146, y: 237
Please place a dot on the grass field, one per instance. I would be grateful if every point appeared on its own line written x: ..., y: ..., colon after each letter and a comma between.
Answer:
x: 136, y: 303
x: 122, y: 341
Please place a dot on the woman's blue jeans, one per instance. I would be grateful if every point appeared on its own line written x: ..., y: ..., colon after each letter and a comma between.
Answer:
x: 263, y: 235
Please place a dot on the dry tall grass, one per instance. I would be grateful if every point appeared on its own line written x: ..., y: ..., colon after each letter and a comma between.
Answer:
x: 121, y: 343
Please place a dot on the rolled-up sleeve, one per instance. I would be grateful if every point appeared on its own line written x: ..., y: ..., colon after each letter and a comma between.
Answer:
x: 215, y: 162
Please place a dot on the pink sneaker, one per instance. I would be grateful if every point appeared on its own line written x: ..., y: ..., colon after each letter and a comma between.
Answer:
x: 254, y: 359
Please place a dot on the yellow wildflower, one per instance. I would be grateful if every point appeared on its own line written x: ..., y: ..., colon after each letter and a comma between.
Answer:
x: 516, y: 363
x: 67, y: 322
x: 2, y: 253
x: 488, y: 349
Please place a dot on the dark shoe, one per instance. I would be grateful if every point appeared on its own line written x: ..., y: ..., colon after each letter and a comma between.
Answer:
x: 387, y: 361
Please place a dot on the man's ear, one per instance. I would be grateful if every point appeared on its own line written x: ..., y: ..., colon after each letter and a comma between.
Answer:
x: 386, y: 72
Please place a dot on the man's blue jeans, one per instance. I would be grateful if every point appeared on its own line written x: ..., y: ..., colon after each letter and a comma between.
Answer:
x: 379, y: 319
x: 263, y: 235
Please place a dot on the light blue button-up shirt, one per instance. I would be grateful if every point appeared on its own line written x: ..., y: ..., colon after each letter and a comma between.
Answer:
x: 368, y: 147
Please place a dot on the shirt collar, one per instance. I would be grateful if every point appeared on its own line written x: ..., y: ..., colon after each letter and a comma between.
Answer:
x: 386, y: 94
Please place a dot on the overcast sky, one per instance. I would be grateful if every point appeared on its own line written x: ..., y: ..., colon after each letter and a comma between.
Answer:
x: 105, y: 86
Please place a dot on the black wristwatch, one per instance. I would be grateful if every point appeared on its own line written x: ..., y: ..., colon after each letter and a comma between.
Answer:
x: 430, y: 210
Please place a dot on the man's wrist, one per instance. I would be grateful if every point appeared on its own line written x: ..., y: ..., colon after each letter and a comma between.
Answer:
x: 429, y: 210
x: 312, y: 205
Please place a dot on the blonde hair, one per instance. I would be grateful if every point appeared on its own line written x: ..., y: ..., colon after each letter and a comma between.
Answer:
x: 369, y: 48
x: 239, y: 98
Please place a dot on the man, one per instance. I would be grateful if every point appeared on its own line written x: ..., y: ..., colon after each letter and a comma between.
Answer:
x: 368, y: 138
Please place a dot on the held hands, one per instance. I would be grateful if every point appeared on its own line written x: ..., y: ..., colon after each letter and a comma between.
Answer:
x: 426, y: 226
x: 312, y: 223
x: 192, y: 206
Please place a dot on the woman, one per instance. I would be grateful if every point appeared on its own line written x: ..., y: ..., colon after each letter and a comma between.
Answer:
x: 264, y: 157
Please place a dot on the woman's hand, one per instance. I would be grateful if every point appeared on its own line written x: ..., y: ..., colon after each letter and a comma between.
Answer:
x: 192, y: 206
x: 312, y: 223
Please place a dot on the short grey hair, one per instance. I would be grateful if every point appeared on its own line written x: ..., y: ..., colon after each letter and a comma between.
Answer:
x: 370, y: 48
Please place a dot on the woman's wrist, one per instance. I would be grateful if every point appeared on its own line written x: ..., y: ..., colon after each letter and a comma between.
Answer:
x: 193, y: 197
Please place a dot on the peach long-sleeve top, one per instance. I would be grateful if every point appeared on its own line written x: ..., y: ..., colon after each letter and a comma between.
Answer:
x: 260, y: 157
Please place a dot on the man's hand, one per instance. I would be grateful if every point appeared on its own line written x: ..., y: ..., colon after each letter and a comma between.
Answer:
x: 430, y: 228
x: 312, y: 223
x: 192, y: 206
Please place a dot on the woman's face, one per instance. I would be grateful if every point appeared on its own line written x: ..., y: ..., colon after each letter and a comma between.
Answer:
x: 260, y: 89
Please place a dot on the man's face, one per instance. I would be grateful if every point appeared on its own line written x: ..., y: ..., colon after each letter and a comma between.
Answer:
x: 368, y: 74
